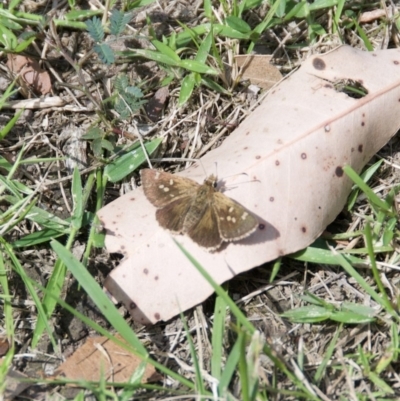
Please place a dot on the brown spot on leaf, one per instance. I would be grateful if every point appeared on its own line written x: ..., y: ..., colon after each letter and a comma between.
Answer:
x: 258, y: 157
x: 360, y: 148
x: 304, y: 229
x: 156, y: 278
x: 132, y: 199
x: 339, y: 171
x: 157, y: 316
x: 132, y: 305
x: 277, y: 162
x: 145, y: 271
x: 303, y: 156
x: 319, y: 64
x: 261, y: 226
x: 248, y: 132
x: 271, y: 199
x: 395, y: 62
x: 362, y: 123
x: 245, y: 148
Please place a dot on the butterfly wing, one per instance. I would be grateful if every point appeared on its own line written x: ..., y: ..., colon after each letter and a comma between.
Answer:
x: 163, y: 188
x: 205, y: 231
x: 172, y: 216
x: 234, y: 221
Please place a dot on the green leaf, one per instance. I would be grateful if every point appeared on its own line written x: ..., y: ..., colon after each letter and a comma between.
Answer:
x: 42, y: 236
x: 204, y: 49
x: 96, y: 147
x: 95, y: 29
x: 229, y: 32
x: 195, y: 66
x: 5, y: 164
x: 42, y: 217
x: 214, y: 86
x: 322, y: 4
x: 105, y: 53
x: 389, y: 231
x: 372, y: 197
x: 363, y: 35
x: 220, y: 313
x: 238, y: 24
x: 166, y: 50
x: 152, y: 55
x: 9, y: 92
x: 380, y: 383
x: 366, y: 176
x: 7, y: 38
x: 121, y: 82
x: 77, y: 15
x: 317, y: 29
x: 325, y: 256
x: 308, y: 314
x: 10, y: 24
x: 298, y: 9
x: 118, y: 21
x: 93, y: 133
x: 10, y: 124
x: 37, y: 238
x: 24, y: 44
x: 105, y: 144
x: 130, y: 161
x: 13, y: 4
x: 187, y: 87
x: 139, y: 3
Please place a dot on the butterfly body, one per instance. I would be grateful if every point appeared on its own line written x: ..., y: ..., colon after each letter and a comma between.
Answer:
x: 206, y: 215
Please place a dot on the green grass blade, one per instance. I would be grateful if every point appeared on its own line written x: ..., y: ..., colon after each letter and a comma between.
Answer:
x: 242, y: 321
x: 199, y: 378
x: 373, y: 198
x: 42, y: 319
x: 220, y: 309
x: 130, y: 161
x: 98, y: 296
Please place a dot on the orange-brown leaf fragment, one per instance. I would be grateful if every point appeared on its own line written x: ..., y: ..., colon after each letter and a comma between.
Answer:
x: 30, y: 74
x: 101, y: 358
x: 258, y: 70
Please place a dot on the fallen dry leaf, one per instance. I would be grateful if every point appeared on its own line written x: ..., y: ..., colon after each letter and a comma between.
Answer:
x: 370, y: 16
x: 157, y: 103
x: 29, y: 74
x: 293, y: 146
x: 4, y: 346
x: 258, y: 70
x: 101, y: 358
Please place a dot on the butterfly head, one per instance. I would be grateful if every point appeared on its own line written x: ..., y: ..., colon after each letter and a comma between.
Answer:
x: 211, y: 181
